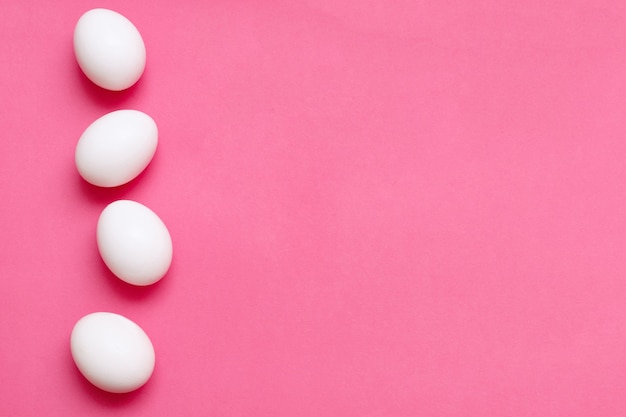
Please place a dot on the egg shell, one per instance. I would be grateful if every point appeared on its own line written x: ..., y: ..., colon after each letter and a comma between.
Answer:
x: 112, y: 352
x: 109, y: 49
x: 116, y: 148
x: 134, y: 242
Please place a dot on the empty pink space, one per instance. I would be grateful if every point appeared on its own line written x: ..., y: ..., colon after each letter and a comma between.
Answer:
x: 378, y: 208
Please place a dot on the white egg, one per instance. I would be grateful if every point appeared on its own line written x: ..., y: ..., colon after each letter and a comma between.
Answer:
x: 116, y: 148
x: 109, y: 49
x: 134, y: 242
x: 112, y: 352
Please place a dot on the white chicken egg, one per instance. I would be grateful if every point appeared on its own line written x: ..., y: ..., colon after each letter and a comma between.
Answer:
x: 134, y: 242
x: 116, y: 148
x: 109, y: 49
x: 112, y: 352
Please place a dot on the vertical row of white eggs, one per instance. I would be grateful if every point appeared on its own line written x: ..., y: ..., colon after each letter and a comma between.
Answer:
x: 111, y: 351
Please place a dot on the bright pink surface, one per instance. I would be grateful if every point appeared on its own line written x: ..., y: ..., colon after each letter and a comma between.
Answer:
x: 378, y: 209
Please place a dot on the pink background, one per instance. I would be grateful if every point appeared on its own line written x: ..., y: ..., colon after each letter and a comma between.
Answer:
x: 378, y: 208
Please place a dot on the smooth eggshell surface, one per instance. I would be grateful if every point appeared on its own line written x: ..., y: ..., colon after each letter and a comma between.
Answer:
x: 109, y: 49
x: 116, y: 148
x: 112, y: 352
x: 134, y: 242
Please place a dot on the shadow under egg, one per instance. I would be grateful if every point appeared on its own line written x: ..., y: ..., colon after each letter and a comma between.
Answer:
x: 104, y: 98
x: 101, y: 397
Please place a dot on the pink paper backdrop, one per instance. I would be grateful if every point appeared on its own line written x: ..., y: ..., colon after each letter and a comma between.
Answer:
x: 378, y: 208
